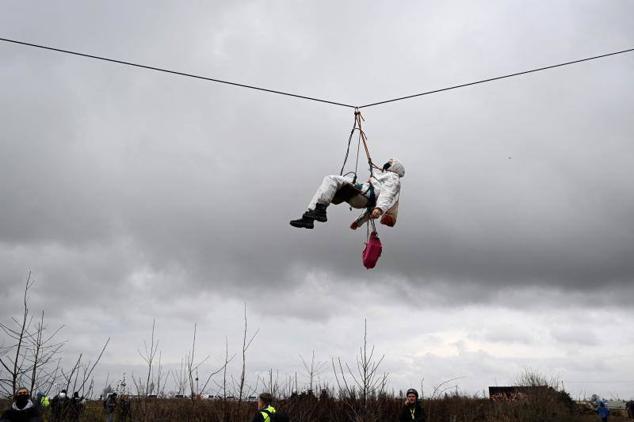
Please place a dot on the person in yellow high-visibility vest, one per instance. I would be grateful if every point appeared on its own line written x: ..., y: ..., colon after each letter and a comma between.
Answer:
x: 43, y: 400
x: 265, y: 410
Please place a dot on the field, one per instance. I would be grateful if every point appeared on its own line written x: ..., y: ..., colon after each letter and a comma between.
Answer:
x: 543, y: 408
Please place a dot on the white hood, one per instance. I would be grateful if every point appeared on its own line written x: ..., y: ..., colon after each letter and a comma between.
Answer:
x: 396, y: 167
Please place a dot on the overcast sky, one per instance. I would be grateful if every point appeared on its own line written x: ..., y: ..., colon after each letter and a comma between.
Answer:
x: 133, y: 195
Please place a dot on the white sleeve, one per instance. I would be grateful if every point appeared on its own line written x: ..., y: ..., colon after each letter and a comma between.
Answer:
x: 390, y: 189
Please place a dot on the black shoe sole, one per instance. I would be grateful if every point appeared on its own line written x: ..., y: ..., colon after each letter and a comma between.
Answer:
x: 301, y: 224
x: 317, y: 217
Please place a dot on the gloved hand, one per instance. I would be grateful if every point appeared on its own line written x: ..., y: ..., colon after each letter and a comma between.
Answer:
x: 376, y: 213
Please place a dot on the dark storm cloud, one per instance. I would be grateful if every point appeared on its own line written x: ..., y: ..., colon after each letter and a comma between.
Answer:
x: 518, y: 184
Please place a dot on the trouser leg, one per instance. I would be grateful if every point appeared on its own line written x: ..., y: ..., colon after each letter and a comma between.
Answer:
x: 327, y: 190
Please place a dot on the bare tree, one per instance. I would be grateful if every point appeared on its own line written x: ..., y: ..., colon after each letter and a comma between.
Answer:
x: 365, y: 378
x: 272, y: 384
x: 51, y: 377
x: 148, y: 355
x: 43, y: 350
x: 245, y: 346
x: 438, y: 390
x: 71, y: 376
x: 25, y: 361
x: 224, y: 372
x: 161, y: 379
x: 313, y: 370
x: 87, y: 369
x: 193, y: 366
x: 91, y: 368
x: 222, y: 369
x: 14, y: 361
x: 223, y: 386
x: 180, y: 377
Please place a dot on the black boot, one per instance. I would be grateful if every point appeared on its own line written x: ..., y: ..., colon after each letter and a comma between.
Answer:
x: 304, y: 222
x: 319, y: 213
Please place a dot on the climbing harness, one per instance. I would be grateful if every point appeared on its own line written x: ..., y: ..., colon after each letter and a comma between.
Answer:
x: 357, y: 127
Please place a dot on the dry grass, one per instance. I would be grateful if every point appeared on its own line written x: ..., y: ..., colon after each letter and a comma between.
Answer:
x: 551, y: 407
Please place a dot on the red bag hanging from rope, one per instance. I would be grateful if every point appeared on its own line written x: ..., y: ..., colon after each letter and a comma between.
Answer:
x: 372, y: 251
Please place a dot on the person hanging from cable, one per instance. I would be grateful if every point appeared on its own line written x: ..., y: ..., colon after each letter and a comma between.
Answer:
x: 379, y: 196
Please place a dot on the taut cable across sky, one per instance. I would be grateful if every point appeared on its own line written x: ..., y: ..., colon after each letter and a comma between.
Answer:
x: 304, y: 97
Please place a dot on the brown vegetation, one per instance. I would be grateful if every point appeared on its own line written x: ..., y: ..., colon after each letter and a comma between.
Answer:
x: 547, y: 407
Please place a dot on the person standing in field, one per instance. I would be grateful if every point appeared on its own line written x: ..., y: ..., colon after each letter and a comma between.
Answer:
x: 22, y: 409
x: 110, y: 406
x: 76, y: 407
x: 603, y: 411
x: 630, y: 409
x: 125, y: 412
x: 43, y: 401
x: 59, y: 407
x: 412, y: 410
x: 265, y: 410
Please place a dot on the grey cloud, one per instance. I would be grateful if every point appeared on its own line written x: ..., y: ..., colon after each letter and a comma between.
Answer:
x: 507, y: 335
x: 183, y: 185
x: 128, y: 191
x: 575, y: 336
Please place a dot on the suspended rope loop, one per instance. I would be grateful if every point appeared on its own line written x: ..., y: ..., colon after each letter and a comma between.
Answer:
x: 356, y: 164
x: 363, y: 138
x: 345, y: 160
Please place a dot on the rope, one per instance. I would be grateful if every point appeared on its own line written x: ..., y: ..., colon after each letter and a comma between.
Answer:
x: 365, y: 146
x: 363, y: 139
x: 304, y: 97
x: 345, y: 160
x: 174, y: 72
x: 497, y: 78
x: 356, y: 164
x: 369, y: 223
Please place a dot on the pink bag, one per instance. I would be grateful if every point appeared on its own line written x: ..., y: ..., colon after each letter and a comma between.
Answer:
x: 372, y: 251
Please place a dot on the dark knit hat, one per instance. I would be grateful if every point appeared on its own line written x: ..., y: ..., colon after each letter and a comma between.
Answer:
x: 412, y: 391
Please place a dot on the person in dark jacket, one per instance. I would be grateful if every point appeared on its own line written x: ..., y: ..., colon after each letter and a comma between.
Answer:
x: 22, y: 409
x: 75, y: 407
x: 265, y: 410
x: 59, y: 407
x: 125, y: 409
x: 629, y: 406
x: 110, y: 405
x: 412, y: 410
x: 603, y: 411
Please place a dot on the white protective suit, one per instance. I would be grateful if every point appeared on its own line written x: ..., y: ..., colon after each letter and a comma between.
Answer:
x: 387, y: 187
